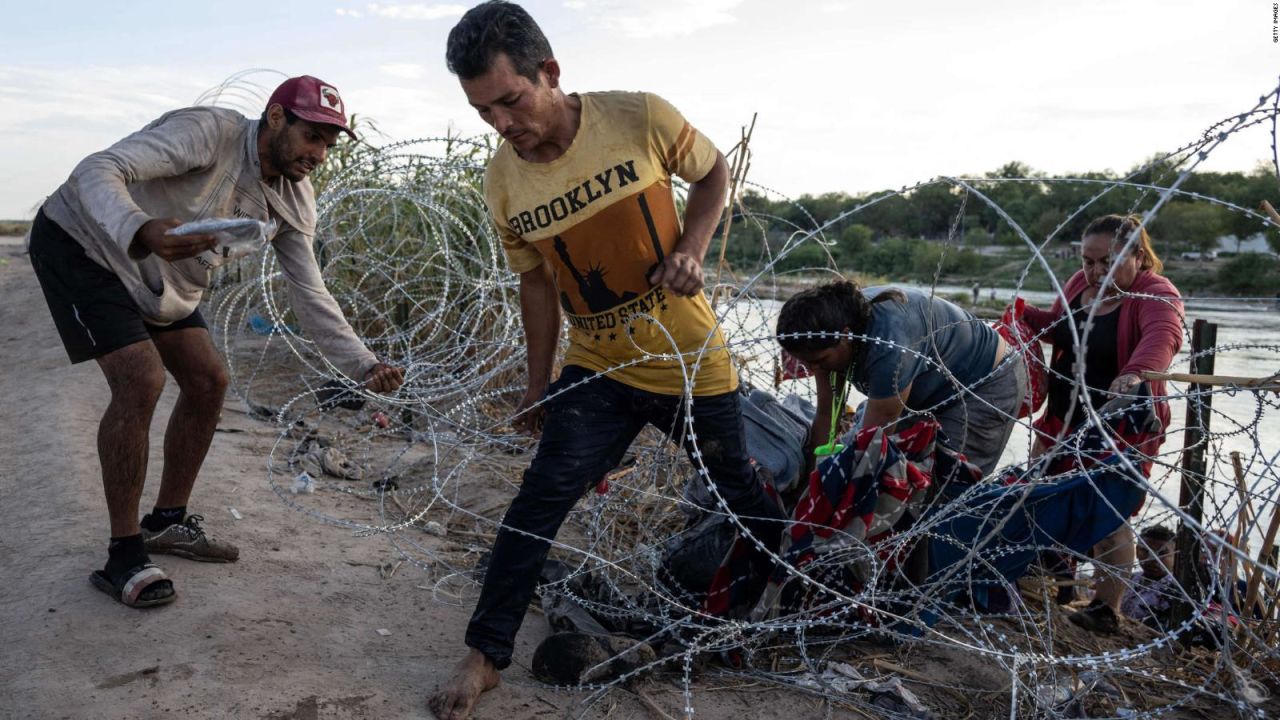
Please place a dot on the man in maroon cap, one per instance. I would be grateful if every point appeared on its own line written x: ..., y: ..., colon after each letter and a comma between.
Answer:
x: 126, y: 293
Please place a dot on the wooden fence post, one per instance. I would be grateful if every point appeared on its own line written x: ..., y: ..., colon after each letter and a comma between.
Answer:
x: 1188, y: 568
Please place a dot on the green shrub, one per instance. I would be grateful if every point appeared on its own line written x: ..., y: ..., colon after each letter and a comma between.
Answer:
x: 14, y: 227
x: 808, y: 255
x: 1253, y: 275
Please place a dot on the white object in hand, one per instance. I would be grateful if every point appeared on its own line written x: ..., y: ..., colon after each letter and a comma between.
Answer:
x: 236, y: 237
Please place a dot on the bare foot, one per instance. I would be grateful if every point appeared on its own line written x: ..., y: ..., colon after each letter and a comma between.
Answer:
x: 455, y: 699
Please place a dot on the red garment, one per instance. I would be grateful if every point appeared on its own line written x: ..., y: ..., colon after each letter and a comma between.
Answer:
x: 1149, y: 334
x: 790, y: 368
x: 857, y: 500
x: 1021, y: 337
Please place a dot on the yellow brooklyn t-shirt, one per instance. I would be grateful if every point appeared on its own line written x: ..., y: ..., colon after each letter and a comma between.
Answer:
x: 604, y: 216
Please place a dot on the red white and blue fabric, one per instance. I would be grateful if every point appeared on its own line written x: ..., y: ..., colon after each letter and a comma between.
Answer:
x: 854, y: 504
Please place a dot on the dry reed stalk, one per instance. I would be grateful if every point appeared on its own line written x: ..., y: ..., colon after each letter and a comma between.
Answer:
x: 1246, y: 506
x: 737, y: 176
x: 478, y: 535
x: 885, y: 665
x: 1242, y: 517
x: 650, y: 704
x: 1256, y: 573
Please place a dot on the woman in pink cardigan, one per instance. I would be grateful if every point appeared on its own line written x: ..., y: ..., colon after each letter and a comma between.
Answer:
x: 1137, y: 325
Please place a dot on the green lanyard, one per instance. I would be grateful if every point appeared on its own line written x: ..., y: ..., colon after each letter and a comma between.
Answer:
x: 837, y: 411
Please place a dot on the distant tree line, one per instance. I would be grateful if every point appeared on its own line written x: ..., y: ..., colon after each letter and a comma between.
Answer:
x: 903, y: 234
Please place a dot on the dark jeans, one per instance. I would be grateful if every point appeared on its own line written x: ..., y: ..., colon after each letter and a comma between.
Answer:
x: 585, y: 434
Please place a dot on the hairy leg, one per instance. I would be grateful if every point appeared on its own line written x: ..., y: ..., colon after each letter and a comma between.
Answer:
x: 136, y: 378
x: 189, y: 355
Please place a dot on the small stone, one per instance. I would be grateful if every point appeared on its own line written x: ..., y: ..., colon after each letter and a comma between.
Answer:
x: 434, y: 528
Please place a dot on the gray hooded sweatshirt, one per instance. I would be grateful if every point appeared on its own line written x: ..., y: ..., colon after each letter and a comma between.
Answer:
x: 191, y: 164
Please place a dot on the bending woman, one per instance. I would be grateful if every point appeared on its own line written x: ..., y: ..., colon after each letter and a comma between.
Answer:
x: 921, y: 354
x: 1137, y: 326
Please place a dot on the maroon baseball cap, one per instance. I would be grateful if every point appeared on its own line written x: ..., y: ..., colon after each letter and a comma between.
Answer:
x: 312, y: 99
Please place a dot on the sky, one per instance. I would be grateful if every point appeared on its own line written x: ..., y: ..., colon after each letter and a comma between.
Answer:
x: 851, y: 96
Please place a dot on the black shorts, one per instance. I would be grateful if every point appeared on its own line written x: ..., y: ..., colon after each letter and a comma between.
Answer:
x: 91, y: 308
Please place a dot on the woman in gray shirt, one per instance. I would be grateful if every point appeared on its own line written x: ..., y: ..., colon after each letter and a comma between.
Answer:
x: 909, y: 353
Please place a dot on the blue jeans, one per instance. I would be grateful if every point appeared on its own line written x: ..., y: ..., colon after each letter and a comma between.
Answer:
x: 586, y: 432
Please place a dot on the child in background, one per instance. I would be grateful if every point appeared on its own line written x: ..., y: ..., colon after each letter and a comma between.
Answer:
x: 1148, y: 597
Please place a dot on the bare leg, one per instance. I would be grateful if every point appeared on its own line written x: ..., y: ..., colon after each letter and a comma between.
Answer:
x: 190, y: 356
x: 136, y: 378
x: 1117, y: 552
x: 473, y: 676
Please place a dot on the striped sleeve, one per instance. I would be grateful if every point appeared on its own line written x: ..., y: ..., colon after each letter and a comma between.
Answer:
x: 682, y: 150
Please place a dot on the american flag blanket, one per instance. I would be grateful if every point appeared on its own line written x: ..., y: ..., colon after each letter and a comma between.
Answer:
x: 843, y: 529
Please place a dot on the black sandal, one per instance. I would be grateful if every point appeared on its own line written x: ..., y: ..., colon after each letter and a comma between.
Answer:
x: 131, y: 588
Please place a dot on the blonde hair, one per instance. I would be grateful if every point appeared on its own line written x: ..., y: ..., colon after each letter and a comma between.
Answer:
x: 1119, y: 227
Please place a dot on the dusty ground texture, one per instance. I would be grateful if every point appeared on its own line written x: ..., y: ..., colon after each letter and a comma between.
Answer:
x: 291, y: 630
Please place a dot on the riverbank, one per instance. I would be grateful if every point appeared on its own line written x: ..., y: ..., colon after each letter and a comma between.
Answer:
x: 899, y: 260
x: 17, y: 228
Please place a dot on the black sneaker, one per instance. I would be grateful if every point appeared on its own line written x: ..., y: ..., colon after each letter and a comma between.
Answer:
x: 1097, y: 618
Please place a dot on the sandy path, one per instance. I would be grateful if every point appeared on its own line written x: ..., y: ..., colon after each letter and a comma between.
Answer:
x: 287, y: 632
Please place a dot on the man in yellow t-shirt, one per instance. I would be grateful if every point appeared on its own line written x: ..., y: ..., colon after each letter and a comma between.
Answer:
x: 581, y: 193
x: 601, y: 217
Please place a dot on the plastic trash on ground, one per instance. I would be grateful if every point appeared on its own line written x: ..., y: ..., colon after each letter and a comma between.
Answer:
x: 303, y: 484
x: 887, y: 692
